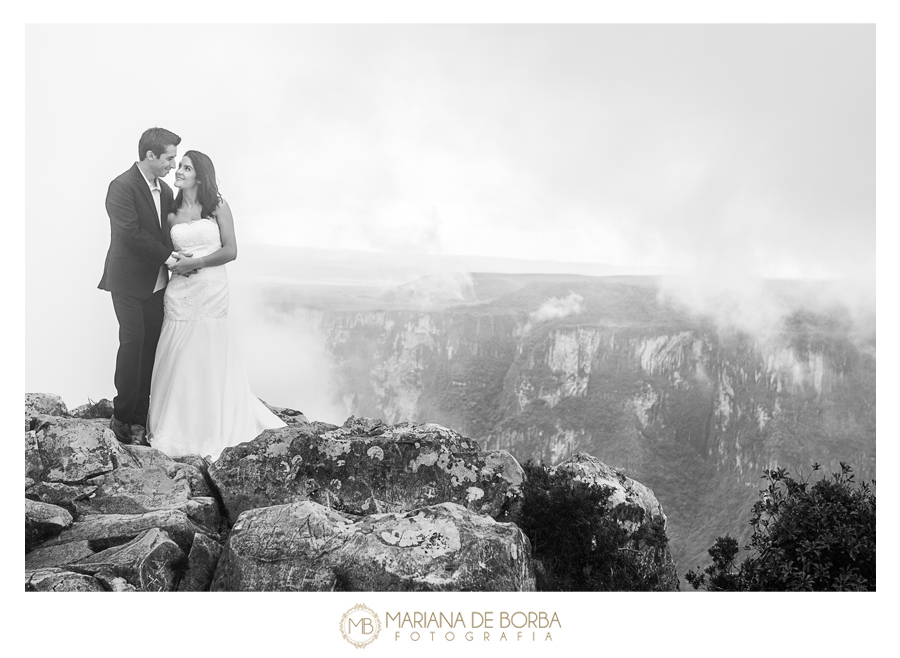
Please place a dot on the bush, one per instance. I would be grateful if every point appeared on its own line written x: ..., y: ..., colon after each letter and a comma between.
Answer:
x: 812, y: 537
x: 577, y: 543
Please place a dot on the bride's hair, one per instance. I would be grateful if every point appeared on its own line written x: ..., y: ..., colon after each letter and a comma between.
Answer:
x: 207, y: 190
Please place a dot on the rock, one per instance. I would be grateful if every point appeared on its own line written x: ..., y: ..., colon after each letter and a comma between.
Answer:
x: 319, y: 427
x: 37, y: 404
x: 206, y: 512
x: 147, y: 562
x: 196, y: 461
x: 101, y: 409
x: 202, y: 562
x: 636, y: 510
x: 34, y: 464
x: 114, y: 583
x: 43, y: 520
x: 138, y: 490
x: 631, y: 502
x: 56, y: 493
x: 71, y: 450
x: 367, y: 467
x: 289, y: 416
x: 192, y: 467
x: 59, y: 555
x: 141, y: 490
x: 60, y: 580
x: 105, y: 530
x: 308, y: 547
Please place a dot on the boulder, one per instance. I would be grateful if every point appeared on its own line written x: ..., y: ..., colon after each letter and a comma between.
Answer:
x: 192, y: 467
x: 57, y: 556
x: 114, y: 583
x: 202, y: 562
x: 56, y: 493
x: 202, y: 486
x: 147, y: 562
x: 159, y: 483
x: 636, y: 510
x: 137, y: 490
x: 43, y: 520
x: 71, y: 450
x: 367, y: 467
x: 631, y: 503
x: 60, y: 580
x: 308, y: 547
x: 38, y: 404
x: 101, y: 409
x: 106, y: 530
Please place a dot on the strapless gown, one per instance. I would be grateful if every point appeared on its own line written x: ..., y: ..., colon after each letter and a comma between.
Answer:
x: 200, y: 397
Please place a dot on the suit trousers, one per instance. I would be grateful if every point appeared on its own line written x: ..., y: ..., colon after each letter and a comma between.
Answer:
x: 140, y: 322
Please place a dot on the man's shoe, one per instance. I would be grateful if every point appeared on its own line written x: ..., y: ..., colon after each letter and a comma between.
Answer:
x: 121, y: 430
x: 139, y: 436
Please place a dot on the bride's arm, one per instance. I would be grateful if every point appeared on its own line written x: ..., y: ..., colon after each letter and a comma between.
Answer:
x: 226, y: 254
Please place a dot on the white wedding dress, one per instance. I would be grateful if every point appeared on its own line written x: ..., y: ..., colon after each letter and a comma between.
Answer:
x: 200, y: 397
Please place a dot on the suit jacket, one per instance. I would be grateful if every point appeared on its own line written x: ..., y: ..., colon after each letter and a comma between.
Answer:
x: 138, y: 244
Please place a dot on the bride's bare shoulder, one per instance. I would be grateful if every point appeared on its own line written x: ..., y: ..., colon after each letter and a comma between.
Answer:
x: 223, y: 210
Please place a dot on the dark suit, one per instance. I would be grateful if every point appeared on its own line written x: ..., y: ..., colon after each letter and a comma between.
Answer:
x: 139, y: 246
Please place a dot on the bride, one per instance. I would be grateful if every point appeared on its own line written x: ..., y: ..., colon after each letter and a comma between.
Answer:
x: 200, y: 398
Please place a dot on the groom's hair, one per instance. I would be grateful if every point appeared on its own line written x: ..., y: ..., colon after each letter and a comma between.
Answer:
x: 156, y: 140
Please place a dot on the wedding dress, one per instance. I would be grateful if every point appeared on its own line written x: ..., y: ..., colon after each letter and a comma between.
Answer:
x: 200, y: 397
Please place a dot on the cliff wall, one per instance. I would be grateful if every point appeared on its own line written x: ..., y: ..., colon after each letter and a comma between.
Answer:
x: 695, y: 411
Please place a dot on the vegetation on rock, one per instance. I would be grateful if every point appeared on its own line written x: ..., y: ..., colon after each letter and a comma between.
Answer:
x: 806, y: 536
x: 578, y: 543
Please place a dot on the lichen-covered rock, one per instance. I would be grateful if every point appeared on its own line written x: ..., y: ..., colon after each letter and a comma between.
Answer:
x: 43, y: 520
x: 367, y: 467
x: 308, y: 547
x: 147, y: 562
x: 141, y: 490
x: 631, y: 502
x: 202, y: 562
x: 105, y: 530
x: 37, y: 404
x: 60, y: 580
x: 59, y: 555
x: 192, y: 467
x: 100, y: 409
x: 138, y: 490
x: 57, y: 493
x: 71, y: 450
x: 114, y: 583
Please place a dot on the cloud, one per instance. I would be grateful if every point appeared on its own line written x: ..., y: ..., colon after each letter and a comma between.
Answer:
x: 285, y: 355
x: 558, y: 307
x: 433, y: 289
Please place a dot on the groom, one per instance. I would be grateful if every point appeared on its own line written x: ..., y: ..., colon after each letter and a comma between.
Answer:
x: 140, y: 250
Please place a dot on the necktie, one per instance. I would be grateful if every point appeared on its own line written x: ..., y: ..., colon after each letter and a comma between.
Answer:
x: 163, y: 276
x: 156, y: 200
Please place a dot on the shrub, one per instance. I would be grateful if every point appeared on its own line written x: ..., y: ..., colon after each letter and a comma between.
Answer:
x: 577, y: 543
x: 813, y: 537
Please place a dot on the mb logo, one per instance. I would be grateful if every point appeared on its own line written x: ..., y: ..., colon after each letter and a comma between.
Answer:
x: 360, y: 626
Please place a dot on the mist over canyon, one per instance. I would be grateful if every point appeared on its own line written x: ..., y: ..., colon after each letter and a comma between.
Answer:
x: 692, y: 395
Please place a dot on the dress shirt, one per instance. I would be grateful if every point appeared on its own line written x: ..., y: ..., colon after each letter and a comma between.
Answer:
x: 155, y: 190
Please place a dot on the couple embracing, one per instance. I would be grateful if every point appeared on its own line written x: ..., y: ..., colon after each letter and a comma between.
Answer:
x: 179, y: 380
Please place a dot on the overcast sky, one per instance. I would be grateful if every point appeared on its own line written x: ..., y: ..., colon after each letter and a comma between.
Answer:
x: 717, y: 151
x: 649, y: 145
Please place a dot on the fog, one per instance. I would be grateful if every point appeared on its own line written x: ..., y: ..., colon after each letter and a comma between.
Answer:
x: 557, y: 307
x: 285, y: 355
x: 717, y: 155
